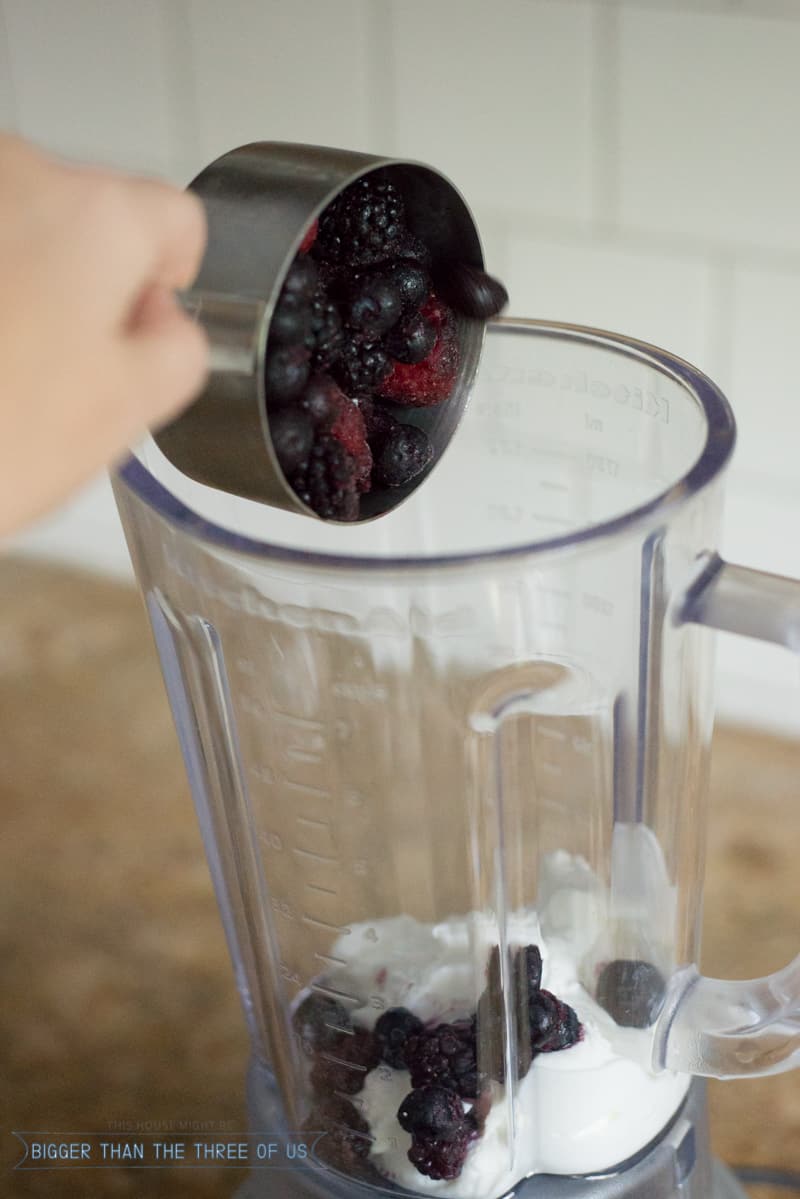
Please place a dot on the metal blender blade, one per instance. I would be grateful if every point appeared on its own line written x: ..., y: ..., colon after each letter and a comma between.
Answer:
x: 260, y: 199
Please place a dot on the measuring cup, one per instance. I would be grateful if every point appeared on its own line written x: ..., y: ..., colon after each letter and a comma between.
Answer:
x: 481, y: 724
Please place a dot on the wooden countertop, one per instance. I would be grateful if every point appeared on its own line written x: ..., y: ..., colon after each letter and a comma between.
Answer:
x: 118, y: 1003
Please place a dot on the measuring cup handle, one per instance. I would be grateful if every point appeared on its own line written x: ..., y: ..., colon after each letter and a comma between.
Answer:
x: 235, y: 328
x: 715, y: 1027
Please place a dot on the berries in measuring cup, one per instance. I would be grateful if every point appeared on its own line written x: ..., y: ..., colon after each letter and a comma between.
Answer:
x: 364, y: 327
x: 631, y: 991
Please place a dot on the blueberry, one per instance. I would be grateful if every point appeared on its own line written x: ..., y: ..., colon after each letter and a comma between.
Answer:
x: 392, y: 1030
x: 412, y: 341
x: 301, y: 279
x: 413, y: 283
x: 319, y: 1022
x: 631, y: 991
x: 372, y: 306
x: 291, y: 321
x: 292, y: 432
x: 470, y: 290
x: 403, y: 454
x: 554, y: 1025
x: 286, y: 373
x: 321, y: 399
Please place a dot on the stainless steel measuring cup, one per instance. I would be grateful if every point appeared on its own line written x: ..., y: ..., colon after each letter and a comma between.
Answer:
x: 259, y: 200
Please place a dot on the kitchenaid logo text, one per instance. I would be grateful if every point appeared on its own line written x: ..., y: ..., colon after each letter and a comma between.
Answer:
x: 638, y: 399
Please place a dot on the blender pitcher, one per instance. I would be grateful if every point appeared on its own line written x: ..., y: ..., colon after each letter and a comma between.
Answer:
x: 450, y: 768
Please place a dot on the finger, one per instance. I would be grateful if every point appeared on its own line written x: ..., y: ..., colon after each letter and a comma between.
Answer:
x: 176, y: 223
x: 168, y: 359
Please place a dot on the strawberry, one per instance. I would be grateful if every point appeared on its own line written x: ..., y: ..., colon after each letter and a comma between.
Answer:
x: 423, y: 384
x: 310, y: 237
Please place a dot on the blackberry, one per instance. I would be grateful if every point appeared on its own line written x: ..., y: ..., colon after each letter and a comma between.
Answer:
x: 392, y: 1030
x: 445, y: 1056
x: 554, y: 1025
x: 364, y: 224
x: 432, y: 1112
x: 301, y: 279
x: 412, y: 281
x: 371, y: 306
x: 361, y: 367
x: 292, y: 433
x: 346, y: 1142
x: 631, y: 991
x: 470, y: 290
x: 412, y: 341
x: 439, y: 1159
x: 344, y: 1066
x: 526, y: 977
x: 528, y: 969
x: 327, y: 483
x: 405, y: 452
x: 319, y: 1022
x: 286, y: 373
x: 325, y: 339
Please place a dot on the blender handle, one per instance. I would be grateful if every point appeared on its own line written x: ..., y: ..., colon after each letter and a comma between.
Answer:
x: 723, y: 1028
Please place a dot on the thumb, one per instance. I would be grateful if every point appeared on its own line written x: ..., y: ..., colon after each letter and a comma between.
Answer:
x: 168, y: 355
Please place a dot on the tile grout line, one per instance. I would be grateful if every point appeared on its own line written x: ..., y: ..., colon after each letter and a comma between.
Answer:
x: 5, y: 63
x: 381, y: 77
x: 176, y: 21
x: 604, y: 100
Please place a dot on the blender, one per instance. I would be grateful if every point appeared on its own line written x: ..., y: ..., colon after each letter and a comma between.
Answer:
x: 452, y: 764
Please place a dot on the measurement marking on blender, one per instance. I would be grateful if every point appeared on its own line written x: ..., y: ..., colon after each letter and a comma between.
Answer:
x: 322, y: 792
x: 324, y: 890
x: 340, y: 1061
x: 336, y: 994
x: 315, y: 857
x: 329, y: 957
x: 312, y: 820
x: 342, y: 929
x: 546, y: 730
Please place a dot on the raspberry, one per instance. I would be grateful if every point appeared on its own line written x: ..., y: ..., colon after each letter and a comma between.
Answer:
x: 309, y: 238
x: 470, y: 290
x: 324, y: 339
x: 425, y: 383
x: 327, y: 483
x: 372, y: 306
x: 412, y: 341
x: 344, y: 1066
x: 439, y: 1159
x: 364, y: 224
x: 286, y: 373
x: 361, y: 367
x: 432, y: 1112
x: 404, y: 453
x: 292, y: 434
x: 349, y: 430
x: 445, y: 1056
x: 392, y: 1030
x: 319, y: 1022
x: 554, y: 1025
x: 631, y: 991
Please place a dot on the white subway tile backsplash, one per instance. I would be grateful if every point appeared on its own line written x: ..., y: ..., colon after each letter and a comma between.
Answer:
x: 289, y: 72
x: 499, y: 98
x: 89, y: 79
x: 708, y: 114
x: 658, y: 298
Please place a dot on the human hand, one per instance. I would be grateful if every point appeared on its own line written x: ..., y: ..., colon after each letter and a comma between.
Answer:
x: 94, y: 348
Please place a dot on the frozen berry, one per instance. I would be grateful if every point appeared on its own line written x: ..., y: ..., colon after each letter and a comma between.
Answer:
x: 554, y: 1025
x: 344, y: 1066
x: 372, y: 306
x: 322, y: 399
x: 432, y: 1112
x: 412, y: 282
x: 325, y: 339
x: 412, y: 341
x: 364, y: 224
x: 327, y: 483
x: 361, y: 368
x: 349, y: 430
x: 301, y: 278
x: 470, y: 290
x: 292, y: 433
x: 422, y: 384
x: 291, y: 322
x: 346, y: 1142
x: 631, y: 991
x: 491, y: 1019
x: 392, y: 1030
x: 445, y: 1056
x: 378, y: 420
x: 286, y: 373
x: 439, y: 1159
x: 319, y: 1022
x: 528, y: 969
x: 310, y: 237
x: 404, y: 454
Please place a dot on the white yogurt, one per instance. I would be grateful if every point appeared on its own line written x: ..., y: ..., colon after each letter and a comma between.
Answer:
x: 577, y: 1111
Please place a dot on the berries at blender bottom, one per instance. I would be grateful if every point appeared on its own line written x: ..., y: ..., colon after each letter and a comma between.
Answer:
x: 344, y: 1066
x: 319, y: 1022
x: 554, y: 1025
x: 404, y: 454
x: 292, y: 433
x: 327, y: 483
x: 285, y: 374
x: 438, y: 1159
x: 392, y: 1030
x: 364, y: 224
x: 346, y: 1141
x: 445, y: 1056
x: 412, y: 341
x: 528, y: 969
x: 631, y: 991
x: 470, y: 290
x: 432, y: 1111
